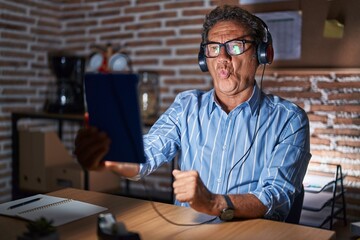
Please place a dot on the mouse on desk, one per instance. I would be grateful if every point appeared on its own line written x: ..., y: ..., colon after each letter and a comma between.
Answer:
x: 110, y: 229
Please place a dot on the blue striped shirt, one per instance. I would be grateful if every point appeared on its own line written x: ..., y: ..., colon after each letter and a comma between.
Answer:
x: 263, y: 151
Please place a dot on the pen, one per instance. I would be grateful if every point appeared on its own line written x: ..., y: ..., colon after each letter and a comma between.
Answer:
x: 24, y: 203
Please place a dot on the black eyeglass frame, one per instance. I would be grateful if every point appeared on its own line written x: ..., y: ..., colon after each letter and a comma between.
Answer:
x: 244, y: 41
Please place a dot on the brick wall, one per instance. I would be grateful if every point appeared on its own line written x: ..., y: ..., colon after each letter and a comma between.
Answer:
x: 162, y: 36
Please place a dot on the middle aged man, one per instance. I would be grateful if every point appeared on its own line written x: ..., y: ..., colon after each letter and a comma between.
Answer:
x: 242, y: 153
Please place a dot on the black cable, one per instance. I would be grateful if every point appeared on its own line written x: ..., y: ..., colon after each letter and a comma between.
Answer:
x: 256, y: 131
x: 168, y: 220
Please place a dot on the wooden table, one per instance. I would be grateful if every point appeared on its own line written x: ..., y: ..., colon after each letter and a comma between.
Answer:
x: 139, y: 216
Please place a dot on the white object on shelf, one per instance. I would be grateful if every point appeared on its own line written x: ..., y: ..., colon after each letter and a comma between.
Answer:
x: 314, y: 183
x: 355, y: 228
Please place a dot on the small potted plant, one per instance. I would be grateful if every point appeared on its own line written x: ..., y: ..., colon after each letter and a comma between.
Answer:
x: 41, y: 229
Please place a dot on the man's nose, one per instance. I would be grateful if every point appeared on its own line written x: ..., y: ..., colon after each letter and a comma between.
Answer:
x: 223, y: 55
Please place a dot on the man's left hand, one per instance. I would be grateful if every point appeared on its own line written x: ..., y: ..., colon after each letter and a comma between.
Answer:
x: 188, y: 187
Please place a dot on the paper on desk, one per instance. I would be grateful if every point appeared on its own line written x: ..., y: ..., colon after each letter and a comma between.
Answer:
x: 59, y: 210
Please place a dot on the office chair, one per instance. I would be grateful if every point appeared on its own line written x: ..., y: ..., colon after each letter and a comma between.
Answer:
x: 295, y: 211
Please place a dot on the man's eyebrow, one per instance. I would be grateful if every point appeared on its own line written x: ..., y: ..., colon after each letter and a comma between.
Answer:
x: 237, y: 38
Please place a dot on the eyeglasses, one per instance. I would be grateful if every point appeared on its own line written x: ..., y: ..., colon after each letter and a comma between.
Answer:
x: 233, y: 47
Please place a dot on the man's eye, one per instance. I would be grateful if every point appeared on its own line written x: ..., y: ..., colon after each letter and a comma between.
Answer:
x: 214, y: 48
x: 236, y: 49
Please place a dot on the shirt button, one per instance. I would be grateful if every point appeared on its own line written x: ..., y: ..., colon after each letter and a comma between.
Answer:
x: 224, y: 147
x: 219, y: 180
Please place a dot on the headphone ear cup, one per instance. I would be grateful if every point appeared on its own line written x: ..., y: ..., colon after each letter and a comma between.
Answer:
x: 265, y: 50
x: 202, y: 60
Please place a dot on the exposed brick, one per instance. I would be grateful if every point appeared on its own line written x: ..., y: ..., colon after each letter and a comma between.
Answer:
x: 145, y: 25
x: 319, y: 141
x: 115, y: 37
x: 13, y: 100
x: 306, y: 85
x: 73, y: 32
x: 16, y: 91
x: 43, y: 5
x: 51, y: 40
x: 332, y: 108
x: 17, y: 36
x: 182, y: 41
x: 344, y: 96
x: 317, y: 118
x: 13, y: 27
x: 142, y: 9
x: 143, y: 43
x: 184, y: 22
x: 69, y: 16
x: 338, y: 85
x: 187, y: 51
x: 191, y: 31
x: 348, y: 121
x: 76, y: 8
x: 17, y: 18
x: 83, y: 23
x: 40, y: 32
x: 12, y: 8
x: 118, y: 20
x: 338, y: 131
x: 45, y: 23
x: 116, y: 4
x: 157, y: 33
x: 196, y: 12
x: 82, y: 40
x: 12, y: 82
x: 177, y: 62
x: 181, y: 81
x: 336, y: 154
x: 12, y: 63
x: 141, y: 2
x: 355, y: 144
x: 24, y: 55
x: 155, y: 52
x: 104, y: 13
x: 183, y: 4
x: 44, y: 13
x: 158, y: 15
x: 192, y: 72
x: 145, y: 62
x: 296, y: 94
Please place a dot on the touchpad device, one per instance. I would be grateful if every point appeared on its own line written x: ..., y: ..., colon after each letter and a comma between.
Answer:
x: 113, y: 107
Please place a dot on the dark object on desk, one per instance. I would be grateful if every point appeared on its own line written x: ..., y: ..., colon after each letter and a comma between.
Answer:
x: 24, y: 203
x: 112, y: 104
x: 109, y: 229
x: 40, y: 229
x: 66, y: 96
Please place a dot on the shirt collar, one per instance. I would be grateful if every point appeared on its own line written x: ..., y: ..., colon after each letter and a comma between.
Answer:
x: 252, y: 102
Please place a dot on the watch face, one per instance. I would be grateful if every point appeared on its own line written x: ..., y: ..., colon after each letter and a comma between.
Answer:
x: 227, y: 214
x: 118, y: 62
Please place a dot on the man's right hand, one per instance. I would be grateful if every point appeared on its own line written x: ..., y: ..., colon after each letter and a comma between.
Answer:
x: 91, y: 146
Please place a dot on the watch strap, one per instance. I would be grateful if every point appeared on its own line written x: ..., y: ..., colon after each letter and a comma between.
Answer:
x: 229, y: 202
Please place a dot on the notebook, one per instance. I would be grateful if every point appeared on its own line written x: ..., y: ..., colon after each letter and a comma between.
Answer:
x: 59, y: 210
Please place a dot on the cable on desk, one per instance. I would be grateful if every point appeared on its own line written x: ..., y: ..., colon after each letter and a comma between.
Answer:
x: 168, y: 220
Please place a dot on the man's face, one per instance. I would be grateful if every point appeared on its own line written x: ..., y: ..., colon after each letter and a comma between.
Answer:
x: 233, y: 75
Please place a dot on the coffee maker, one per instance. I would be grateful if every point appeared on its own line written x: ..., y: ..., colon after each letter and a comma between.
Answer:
x: 66, y: 95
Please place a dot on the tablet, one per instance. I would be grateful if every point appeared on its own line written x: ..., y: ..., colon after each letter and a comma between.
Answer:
x: 113, y: 107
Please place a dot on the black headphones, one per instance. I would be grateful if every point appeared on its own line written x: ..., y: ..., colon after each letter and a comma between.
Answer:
x: 264, y: 51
